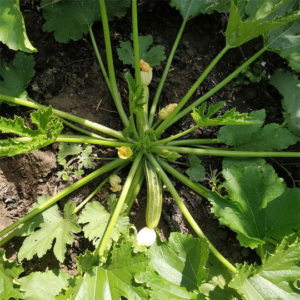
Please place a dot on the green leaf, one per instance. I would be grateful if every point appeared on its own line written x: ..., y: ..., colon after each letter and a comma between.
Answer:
x: 153, y: 56
x: 253, y: 138
x: 16, y: 74
x: 113, y: 280
x: 285, y: 40
x: 53, y: 228
x: 289, y: 87
x: 163, y: 289
x: 44, y: 286
x: 275, y: 278
x: 196, y: 172
x: 249, y: 19
x: 215, y: 286
x: 96, y: 218
x: 85, y: 159
x: 191, y: 8
x: 231, y: 117
x: 70, y: 19
x: 181, y: 261
x: 66, y: 149
x: 12, y: 27
x: 259, y: 204
x: 136, y: 95
x: 9, y: 272
x: 87, y: 261
x: 48, y: 129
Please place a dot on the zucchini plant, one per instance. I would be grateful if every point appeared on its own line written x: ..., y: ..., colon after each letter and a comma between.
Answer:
x: 252, y: 201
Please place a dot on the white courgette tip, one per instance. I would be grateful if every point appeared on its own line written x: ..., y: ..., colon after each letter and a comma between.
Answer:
x: 146, y: 237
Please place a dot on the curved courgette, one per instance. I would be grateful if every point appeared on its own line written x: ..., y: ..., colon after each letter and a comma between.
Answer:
x: 154, y: 196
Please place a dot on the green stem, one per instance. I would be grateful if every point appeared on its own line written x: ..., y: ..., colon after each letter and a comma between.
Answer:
x: 114, y: 216
x: 157, y: 123
x: 227, y: 153
x: 112, y: 165
x: 175, y: 137
x: 186, y: 213
x: 136, y: 43
x: 64, y: 115
x: 100, y: 61
x: 260, y: 251
x: 89, y: 197
x: 135, y: 188
x: 86, y: 132
x: 165, y: 74
x: 194, y: 142
x: 110, y: 64
x: 83, y: 139
x: 198, y: 188
x: 211, y: 92
x: 190, y: 93
x: 8, y: 238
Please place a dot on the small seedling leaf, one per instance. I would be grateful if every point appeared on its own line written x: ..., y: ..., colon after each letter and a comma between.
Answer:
x: 191, y: 8
x: 288, y: 86
x: 152, y: 55
x: 196, y: 172
x: 12, y: 27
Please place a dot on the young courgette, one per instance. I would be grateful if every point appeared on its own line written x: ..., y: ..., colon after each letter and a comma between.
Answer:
x: 154, y: 197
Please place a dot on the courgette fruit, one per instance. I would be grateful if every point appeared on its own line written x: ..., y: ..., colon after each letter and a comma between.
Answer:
x: 154, y: 197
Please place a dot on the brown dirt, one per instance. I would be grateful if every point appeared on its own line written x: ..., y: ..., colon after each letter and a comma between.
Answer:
x: 68, y: 78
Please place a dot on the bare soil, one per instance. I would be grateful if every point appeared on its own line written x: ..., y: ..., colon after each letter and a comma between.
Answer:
x: 68, y: 78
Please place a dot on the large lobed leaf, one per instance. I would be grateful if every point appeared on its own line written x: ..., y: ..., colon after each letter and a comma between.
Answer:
x: 271, y: 137
x: 251, y: 18
x: 152, y: 55
x: 191, y: 8
x: 231, y: 117
x: 70, y: 19
x: 95, y: 218
x: 46, y: 286
x: 276, y: 278
x: 54, y: 227
x: 9, y: 272
x: 111, y: 280
x: 16, y: 75
x: 259, y: 205
x: 12, y: 27
x: 48, y: 129
x: 289, y: 87
x: 285, y: 40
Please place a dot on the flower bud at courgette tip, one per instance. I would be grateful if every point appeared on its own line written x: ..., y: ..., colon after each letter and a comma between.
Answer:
x: 115, y: 181
x: 146, y: 237
x: 166, y: 111
x: 146, y: 73
x: 124, y: 152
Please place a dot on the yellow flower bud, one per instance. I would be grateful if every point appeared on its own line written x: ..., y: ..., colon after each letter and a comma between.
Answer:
x: 145, y: 67
x: 115, y: 181
x: 146, y: 73
x: 166, y: 111
x: 124, y: 152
